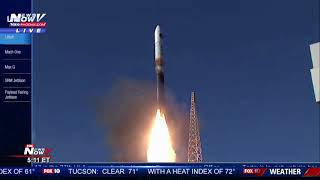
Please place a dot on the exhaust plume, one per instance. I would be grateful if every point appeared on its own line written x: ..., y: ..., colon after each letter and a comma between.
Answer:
x: 126, y: 113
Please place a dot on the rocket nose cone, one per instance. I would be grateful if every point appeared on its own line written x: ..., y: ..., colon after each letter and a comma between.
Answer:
x: 157, y: 30
x: 157, y: 33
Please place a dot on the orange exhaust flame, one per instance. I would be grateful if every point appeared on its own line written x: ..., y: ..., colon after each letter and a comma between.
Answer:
x: 160, y: 147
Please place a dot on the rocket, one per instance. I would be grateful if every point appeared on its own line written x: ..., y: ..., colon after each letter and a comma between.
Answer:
x: 158, y: 57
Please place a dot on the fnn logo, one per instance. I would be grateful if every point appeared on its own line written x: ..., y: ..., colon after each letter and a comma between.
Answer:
x: 22, y: 17
x: 31, y: 150
x: 35, y: 154
x: 25, y: 23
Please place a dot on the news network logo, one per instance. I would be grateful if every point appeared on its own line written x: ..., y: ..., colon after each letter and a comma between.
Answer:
x: 36, y: 155
x: 27, y: 22
x: 51, y: 171
x: 254, y: 171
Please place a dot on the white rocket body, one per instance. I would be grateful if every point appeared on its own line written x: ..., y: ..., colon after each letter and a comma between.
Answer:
x: 158, y: 56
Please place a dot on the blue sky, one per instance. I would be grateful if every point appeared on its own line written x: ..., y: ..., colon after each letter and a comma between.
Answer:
x: 248, y: 61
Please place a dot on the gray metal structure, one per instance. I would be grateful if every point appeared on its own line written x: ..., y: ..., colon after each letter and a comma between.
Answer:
x: 315, y: 71
x: 194, y: 144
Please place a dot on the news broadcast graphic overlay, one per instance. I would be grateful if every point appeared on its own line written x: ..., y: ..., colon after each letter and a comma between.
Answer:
x: 34, y: 154
x: 25, y: 23
x: 167, y: 169
x: 15, y: 103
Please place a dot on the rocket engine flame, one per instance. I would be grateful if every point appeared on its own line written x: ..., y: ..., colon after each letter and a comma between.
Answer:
x: 160, y: 147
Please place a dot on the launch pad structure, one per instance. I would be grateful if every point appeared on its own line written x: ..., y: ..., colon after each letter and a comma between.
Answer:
x: 194, y: 144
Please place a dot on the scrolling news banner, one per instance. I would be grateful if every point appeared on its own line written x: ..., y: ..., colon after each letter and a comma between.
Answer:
x: 15, y: 104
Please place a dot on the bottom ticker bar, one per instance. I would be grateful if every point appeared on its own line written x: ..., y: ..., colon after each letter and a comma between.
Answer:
x: 166, y: 169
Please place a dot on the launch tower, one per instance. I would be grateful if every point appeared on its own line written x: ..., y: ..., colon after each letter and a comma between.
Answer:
x: 194, y: 145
